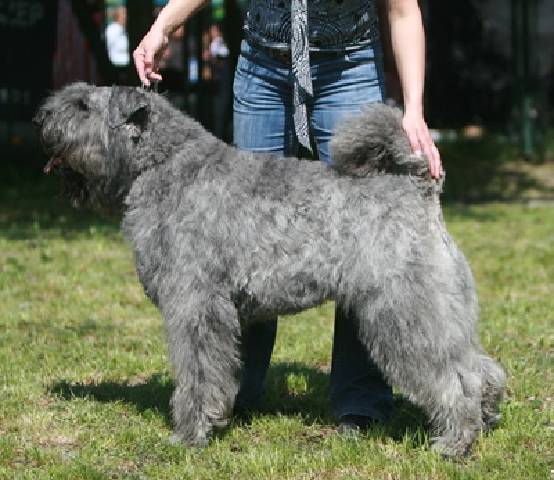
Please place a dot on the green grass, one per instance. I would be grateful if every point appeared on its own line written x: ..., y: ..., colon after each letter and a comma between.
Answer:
x: 491, y: 169
x: 85, y: 380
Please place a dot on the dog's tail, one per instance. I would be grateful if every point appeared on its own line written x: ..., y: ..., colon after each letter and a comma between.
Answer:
x: 374, y: 142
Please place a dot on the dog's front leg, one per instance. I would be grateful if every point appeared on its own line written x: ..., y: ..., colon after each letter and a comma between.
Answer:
x: 203, y: 331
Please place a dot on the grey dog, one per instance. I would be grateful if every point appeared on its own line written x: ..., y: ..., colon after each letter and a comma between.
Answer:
x: 223, y: 237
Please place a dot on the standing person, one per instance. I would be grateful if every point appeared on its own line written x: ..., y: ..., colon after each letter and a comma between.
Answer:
x: 117, y: 42
x: 296, y: 77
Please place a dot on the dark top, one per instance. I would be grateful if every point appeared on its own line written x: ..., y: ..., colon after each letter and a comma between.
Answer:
x: 332, y: 24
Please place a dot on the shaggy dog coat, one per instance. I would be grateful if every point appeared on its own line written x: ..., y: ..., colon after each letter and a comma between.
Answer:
x: 223, y: 237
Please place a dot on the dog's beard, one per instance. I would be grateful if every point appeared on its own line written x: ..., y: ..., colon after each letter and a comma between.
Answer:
x: 74, y: 187
x: 84, y: 193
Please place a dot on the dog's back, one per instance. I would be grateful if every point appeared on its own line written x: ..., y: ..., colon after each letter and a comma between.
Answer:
x: 262, y: 222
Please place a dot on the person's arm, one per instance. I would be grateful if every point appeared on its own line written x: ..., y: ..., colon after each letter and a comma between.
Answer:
x: 146, y: 55
x: 408, y: 46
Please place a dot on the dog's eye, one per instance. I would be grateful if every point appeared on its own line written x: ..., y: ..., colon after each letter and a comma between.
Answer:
x: 82, y: 106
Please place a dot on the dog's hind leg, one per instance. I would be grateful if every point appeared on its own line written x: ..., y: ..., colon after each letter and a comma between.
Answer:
x: 203, y: 331
x: 454, y: 405
x: 494, y: 385
x: 424, y: 345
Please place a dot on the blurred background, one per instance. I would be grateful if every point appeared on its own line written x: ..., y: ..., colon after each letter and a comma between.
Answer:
x: 84, y: 376
x: 489, y: 91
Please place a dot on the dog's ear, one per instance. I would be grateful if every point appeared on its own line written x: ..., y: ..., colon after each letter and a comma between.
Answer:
x: 128, y: 105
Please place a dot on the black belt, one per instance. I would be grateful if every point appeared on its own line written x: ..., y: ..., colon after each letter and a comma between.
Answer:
x: 284, y: 56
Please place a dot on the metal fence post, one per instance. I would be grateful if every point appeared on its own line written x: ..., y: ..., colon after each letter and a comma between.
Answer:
x: 524, y: 22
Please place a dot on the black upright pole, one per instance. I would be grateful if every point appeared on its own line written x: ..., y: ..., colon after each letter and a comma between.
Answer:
x: 524, y: 22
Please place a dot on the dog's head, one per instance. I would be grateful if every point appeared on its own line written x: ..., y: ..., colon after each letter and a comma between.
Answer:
x: 99, y: 139
x: 90, y: 134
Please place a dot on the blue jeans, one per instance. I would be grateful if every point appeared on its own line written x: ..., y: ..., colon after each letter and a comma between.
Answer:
x: 342, y: 84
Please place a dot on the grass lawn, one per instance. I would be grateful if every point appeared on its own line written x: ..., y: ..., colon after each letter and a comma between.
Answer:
x: 85, y: 380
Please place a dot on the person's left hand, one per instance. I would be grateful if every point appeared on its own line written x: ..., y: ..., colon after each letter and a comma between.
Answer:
x: 421, y: 142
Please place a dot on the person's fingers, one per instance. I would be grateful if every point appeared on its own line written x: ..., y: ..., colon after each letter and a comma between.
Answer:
x: 436, y: 161
x: 422, y: 143
x: 151, y: 58
x: 138, y: 58
x: 147, y: 52
x: 441, y: 168
x: 431, y: 152
x: 427, y: 148
x: 433, y: 161
x: 414, y: 141
x: 437, y: 155
x: 148, y: 59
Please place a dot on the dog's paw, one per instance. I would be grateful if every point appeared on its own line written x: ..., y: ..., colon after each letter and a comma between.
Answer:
x: 491, y: 420
x: 449, y: 448
x: 197, y: 442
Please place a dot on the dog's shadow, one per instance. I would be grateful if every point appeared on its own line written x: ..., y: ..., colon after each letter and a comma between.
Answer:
x: 151, y: 394
x: 292, y: 389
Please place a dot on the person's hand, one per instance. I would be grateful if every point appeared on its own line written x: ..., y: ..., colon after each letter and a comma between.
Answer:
x: 147, y: 55
x: 421, y: 142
